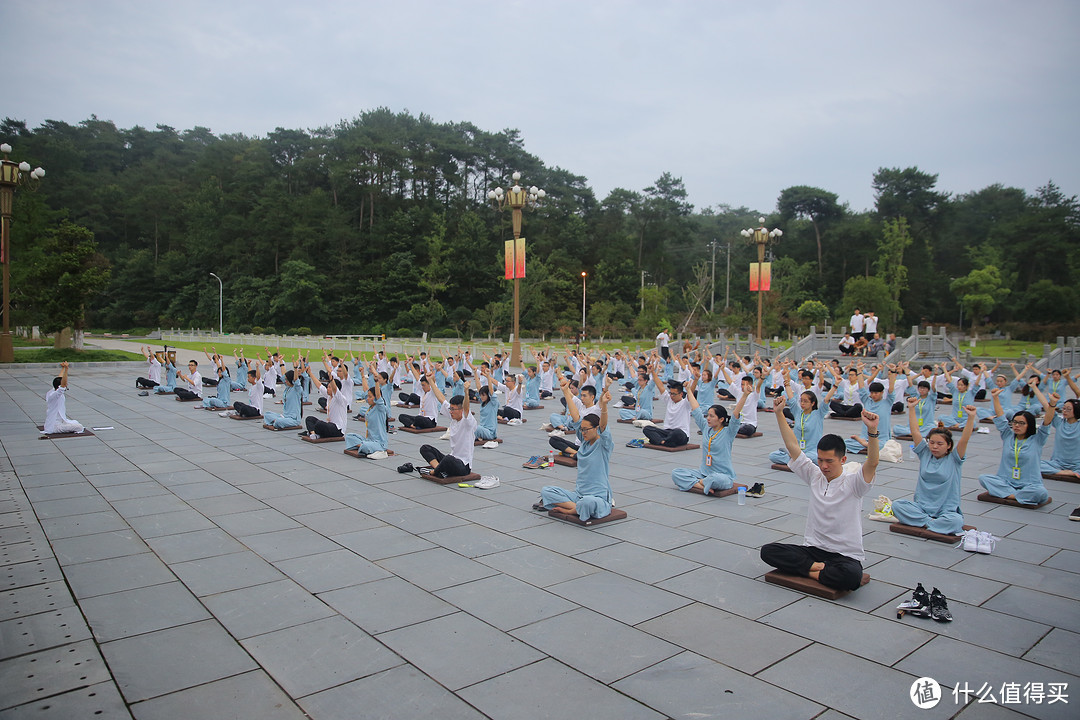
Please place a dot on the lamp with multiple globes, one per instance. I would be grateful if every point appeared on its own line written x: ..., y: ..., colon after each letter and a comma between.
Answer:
x: 761, y: 237
x: 12, y: 175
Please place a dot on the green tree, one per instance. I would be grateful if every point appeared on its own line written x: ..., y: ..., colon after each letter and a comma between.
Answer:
x: 818, y: 206
x: 979, y: 292
x: 889, y: 265
x: 814, y: 312
x: 866, y: 292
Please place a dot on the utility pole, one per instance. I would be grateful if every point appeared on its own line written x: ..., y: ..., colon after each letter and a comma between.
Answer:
x: 712, y: 300
x: 642, y: 291
x: 727, y: 293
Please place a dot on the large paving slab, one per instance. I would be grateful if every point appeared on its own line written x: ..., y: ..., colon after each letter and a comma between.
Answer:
x: 182, y: 566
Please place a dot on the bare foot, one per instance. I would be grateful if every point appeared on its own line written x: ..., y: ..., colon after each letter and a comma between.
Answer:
x: 815, y: 570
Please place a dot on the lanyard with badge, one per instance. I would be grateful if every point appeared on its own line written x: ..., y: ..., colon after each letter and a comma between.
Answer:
x: 1018, y: 447
x: 708, y: 447
x: 802, y: 432
x: 919, y: 418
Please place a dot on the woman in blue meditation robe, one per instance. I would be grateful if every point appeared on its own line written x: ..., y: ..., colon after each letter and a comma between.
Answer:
x: 1019, y: 475
x: 715, y: 472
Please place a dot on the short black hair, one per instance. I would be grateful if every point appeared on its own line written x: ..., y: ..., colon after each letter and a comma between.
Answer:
x: 834, y: 443
x: 876, y: 387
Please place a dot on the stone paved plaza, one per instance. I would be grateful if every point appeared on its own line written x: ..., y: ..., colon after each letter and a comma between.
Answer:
x: 182, y: 565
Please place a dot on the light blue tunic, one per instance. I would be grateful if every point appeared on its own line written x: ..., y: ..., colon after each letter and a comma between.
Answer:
x: 706, y: 393
x: 221, y: 400
x: 924, y: 414
x: 592, y: 492
x: 937, y: 494
x: 532, y: 391
x: 883, y: 409
x: 290, y: 412
x: 1066, y: 454
x: 240, y: 381
x: 170, y: 379
x: 487, y: 420
x: 374, y: 438
x: 809, y: 427
x: 1026, y: 456
x: 643, y: 399
x: 715, y: 471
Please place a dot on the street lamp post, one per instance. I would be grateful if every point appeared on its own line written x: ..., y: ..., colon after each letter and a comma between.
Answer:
x: 221, y: 304
x: 761, y: 237
x: 12, y: 174
x: 517, y: 199
x: 583, y: 274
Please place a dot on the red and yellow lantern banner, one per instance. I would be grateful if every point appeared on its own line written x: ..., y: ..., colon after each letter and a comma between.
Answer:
x: 514, y: 258
x: 760, y: 277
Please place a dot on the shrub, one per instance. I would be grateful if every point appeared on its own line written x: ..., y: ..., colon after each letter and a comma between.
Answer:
x: 299, y: 331
x: 445, y: 333
x: 257, y: 330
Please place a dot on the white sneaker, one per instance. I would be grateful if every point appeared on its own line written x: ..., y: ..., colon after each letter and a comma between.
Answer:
x: 267, y: 395
x: 514, y: 421
x: 556, y: 433
x: 223, y: 413
x: 378, y: 455
x: 986, y: 543
x: 618, y: 404
x: 971, y: 545
x: 547, y: 427
x: 644, y: 423
x: 490, y: 445
x: 487, y: 482
x: 445, y: 436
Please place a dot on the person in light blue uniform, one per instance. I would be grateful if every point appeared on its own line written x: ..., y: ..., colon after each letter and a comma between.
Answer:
x: 706, y: 389
x: 374, y: 438
x: 591, y: 496
x: 487, y: 419
x: 925, y: 407
x: 1001, y: 382
x: 936, y: 505
x: 1065, y: 458
x: 715, y: 473
x: 1026, y: 399
x: 532, y: 388
x: 1053, y: 383
x: 292, y: 411
x: 238, y: 382
x: 1018, y: 476
x: 879, y: 402
x: 560, y: 421
x: 809, y: 415
x: 642, y: 396
x: 220, y: 401
x: 963, y: 396
x: 170, y: 377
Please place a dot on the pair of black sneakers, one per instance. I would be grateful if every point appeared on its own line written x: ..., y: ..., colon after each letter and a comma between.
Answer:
x: 921, y: 604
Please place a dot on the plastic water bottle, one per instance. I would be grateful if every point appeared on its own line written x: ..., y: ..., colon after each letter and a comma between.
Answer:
x: 551, y: 458
x: 742, y: 495
x: 911, y: 451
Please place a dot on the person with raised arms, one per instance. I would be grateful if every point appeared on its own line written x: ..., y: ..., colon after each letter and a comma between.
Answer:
x: 193, y: 379
x: 809, y: 415
x: 1019, y: 476
x: 716, y: 472
x: 220, y: 401
x: 254, y: 406
x: 832, y: 549
x: 153, y: 370
x: 374, y: 442
x: 169, y: 387
x: 56, y: 419
x: 462, y: 433
x: 292, y: 412
x: 676, y: 430
x: 337, y: 409
x: 592, y: 496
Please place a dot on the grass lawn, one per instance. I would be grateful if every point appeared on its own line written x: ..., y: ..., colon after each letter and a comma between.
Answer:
x: 1004, y: 349
x: 54, y: 355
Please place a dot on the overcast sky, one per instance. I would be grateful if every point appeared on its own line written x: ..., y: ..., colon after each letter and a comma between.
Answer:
x: 739, y: 99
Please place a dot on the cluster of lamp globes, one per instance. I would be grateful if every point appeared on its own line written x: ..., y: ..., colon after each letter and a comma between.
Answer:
x: 535, y: 193
x: 774, y: 233
x: 24, y: 167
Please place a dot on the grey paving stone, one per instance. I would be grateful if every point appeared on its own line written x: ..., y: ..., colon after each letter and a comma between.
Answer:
x: 89, y: 524
x: 1013, y: 572
x: 286, y: 544
x: 637, y: 602
x: 158, y: 663
x: 98, y: 546
x: 505, y: 602
x: 227, y: 505
x: 307, y: 502
x: 437, y: 647
x: 318, y: 655
x: 101, y: 701
x: 937, y: 659
x: 436, y: 568
x: 563, y: 538
x: 1064, y: 560
x: 731, y: 592
x: 1056, y: 650
x: 115, y: 574
x: 504, y: 518
x: 739, y: 643
x: 538, y: 566
x: 265, y: 608
x: 194, y: 545
x: 420, y: 519
x: 473, y: 541
x: 131, y: 490
x: 209, y: 489
x: 331, y: 570
x: 33, y: 633
x: 142, y: 610
x: 338, y: 522
x: 649, y: 534
x: 116, y: 479
x: 61, y: 492
x: 21, y: 602
x: 401, y: 692
x: 241, y: 524
x: 71, y: 506
x: 722, y: 555
x: 870, y: 691
x: 691, y: 686
x: 29, y: 678
x: 153, y: 505
x: 170, y: 523
x: 956, y: 586
x: 31, y: 572
x: 249, y: 696
x: 739, y: 533
x: 382, y: 542
x: 222, y: 573
x: 383, y: 605
x: 637, y: 562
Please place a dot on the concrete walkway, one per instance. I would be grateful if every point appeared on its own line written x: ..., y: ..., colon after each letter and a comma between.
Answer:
x: 183, y: 565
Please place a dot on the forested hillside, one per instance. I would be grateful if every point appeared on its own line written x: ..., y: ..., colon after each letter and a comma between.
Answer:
x: 382, y: 224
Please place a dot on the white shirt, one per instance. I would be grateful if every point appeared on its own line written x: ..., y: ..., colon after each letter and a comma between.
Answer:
x: 871, y: 324
x: 513, y: 397
x: 749, y: 408
x: 547, y: 380
x: 269, y: 378
x: 429, y: 404
x: 56, y: 409
x: 195, y: 383
x: 857, y: 324
x: 834, y: 514
x: 255, y: 395
x: 337, y: 408
x: 462, y: 435
x: 664, y: 338
x: 677, y: 415
x: 154, y: 373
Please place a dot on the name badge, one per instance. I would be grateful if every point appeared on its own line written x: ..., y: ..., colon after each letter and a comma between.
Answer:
x: 802, y: 444
x: 1016, y: 473
x: 920, y: 422
x: 708, y: 461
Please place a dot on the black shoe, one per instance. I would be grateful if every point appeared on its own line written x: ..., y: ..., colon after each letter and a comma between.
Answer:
x: 302, y: 433
x: 939, y: 610
x: 918, y: 605
x: 756, y: 490
x: 1075, y: 514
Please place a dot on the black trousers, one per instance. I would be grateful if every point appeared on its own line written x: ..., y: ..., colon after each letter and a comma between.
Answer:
x: 840, y: 573
x: 448, y: 465
x: 747, y: 430
x: 725, y: 394
x: 185, y: 394
x: 409, y: 398
x: 245, y: 410
x: 562, y: 444
x: 980, y: 395
x: 209, y: 382
x: 544, y: 394
x: 846, y: 410
x: 322, y: 428
x: 669, y: 438
x: 509, y: 413
x: 144, y: 383
x: 416, y: 421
